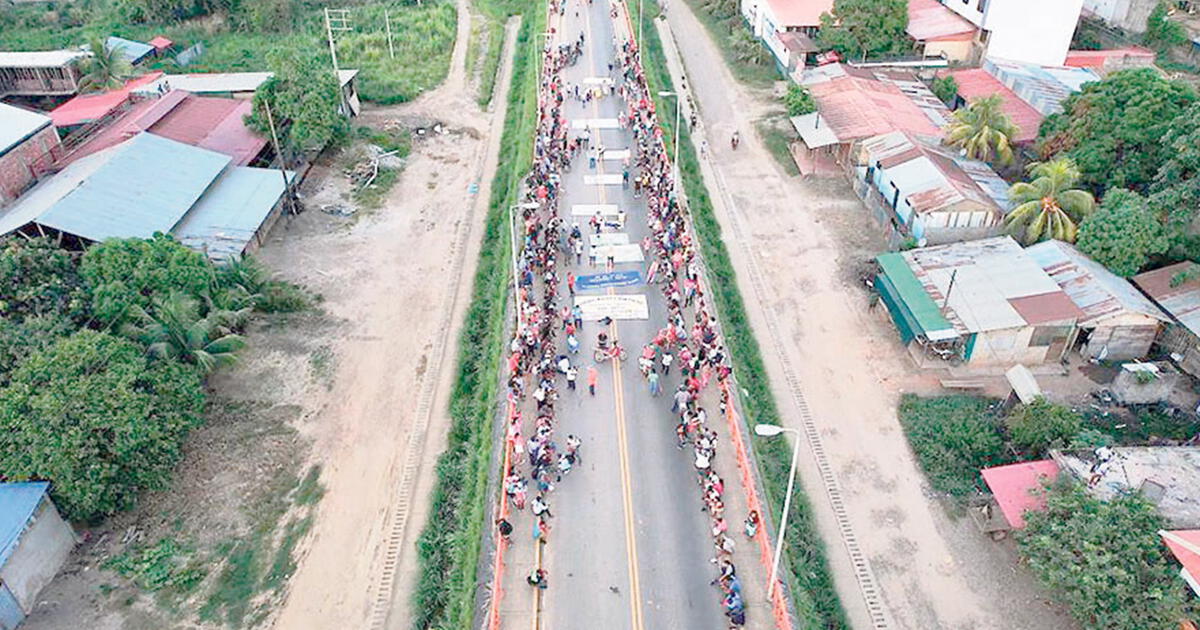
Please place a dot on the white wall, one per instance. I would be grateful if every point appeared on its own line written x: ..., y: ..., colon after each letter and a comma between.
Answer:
x: 40, y: 553
x: 1030, y: 31
x: 1108, y: 10
x: 969, y: 9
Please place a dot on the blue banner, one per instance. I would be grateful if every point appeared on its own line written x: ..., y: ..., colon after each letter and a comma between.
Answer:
x: 611, y: 279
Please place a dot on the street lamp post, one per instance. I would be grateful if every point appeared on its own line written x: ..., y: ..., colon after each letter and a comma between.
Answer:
x: 678, y: 109
x: 512, y: 243
x: 771, y: 430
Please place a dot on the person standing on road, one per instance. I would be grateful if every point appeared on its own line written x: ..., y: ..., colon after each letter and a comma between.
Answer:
x: 572, y: 374
x: 593, y: 375
x: 655, y: 389
x: 571, y: 283
x: 539, y: 507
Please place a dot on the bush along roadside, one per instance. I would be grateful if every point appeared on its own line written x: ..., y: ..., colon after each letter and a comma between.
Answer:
x: 814, y: 596
x: 449, y: 546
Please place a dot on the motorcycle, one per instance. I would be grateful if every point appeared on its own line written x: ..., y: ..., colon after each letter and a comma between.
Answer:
x: 615, y: 352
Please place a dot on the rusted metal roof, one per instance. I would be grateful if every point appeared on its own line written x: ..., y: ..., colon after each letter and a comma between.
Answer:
x: 855, y: 107
x: 976, y: 83
x: 1100, y: 293
x: 929, y: 21
x: 1181, y: 301
x: 931, y: 177
x: 1046, y: 308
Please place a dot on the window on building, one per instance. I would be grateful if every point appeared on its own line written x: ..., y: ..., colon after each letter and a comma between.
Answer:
x: 1049, y: 335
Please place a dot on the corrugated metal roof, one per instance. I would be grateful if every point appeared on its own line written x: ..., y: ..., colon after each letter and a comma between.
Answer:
x: 1100, y: 293
x: 989, y: 274
x: 928, y: 21
x: 813, y: 132
x: 857, y: 107
x: 49, y: 191
x: 1015, y: 488
x: 1042, y: 87
x: 206, y: 122
x: 18, y: 502
x: 1125, y: 57
x: 926, y: 312
x: 18, y: 124
x: 222, y: 82
x: 222, y: 223
x: 930, y: 178
x: 1183, y: 301
x: 132, y: 51
x: 88, y: 107
x: 40, y: 58
x: 143, y: 186
x: 976, y: 83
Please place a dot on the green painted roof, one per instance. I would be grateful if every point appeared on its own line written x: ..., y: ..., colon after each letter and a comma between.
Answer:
x: 922, y: 307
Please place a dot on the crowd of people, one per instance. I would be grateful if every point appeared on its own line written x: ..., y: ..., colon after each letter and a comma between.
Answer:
x: 690, y: 336
x: 546, y: 340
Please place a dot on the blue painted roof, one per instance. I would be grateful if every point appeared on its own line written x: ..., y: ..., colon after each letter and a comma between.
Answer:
x: 132, y: 51
x: 18, y: 502
x: 145, y: 185
x: 226, y: 218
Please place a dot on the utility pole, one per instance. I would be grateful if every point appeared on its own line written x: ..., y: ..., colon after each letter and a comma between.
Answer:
x: 287, y: 184
x: 337, y: 20
x: 387, y: 20
x: 946, y: 302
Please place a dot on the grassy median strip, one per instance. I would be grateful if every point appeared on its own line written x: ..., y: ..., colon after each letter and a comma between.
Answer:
x: 816, y: 600
x: 449, y: 546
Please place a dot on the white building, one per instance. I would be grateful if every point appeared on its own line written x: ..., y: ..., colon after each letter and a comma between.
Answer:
x: 1029, y: 31
x: 1130, y: 15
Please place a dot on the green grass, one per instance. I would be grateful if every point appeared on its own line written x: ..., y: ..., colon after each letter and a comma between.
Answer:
x: 422, y: 35
x: 813, y: 593
x: 491, y: 62
x: 777, y: 139
x: 953, y: 437
x: 450, y: 543
x: 759, y: 75
x: 165, y: 565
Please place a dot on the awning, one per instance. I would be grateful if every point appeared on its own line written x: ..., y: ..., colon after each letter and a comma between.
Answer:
x: 814, y: 131
x: 1014, y: 487
x: 926, y: 317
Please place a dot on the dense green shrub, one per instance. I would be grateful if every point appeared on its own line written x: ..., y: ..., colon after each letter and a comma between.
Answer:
x: 953, y: 438
x: 92, y: 415
x: 799, y: 101
x: 1105, y: 560
x: 38, y: 278
x: 1040, y: 426
x: 123, y: 273
x: 946, y: 89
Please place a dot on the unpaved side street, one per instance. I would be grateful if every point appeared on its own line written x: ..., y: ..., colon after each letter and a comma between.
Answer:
x: 795, y: 244
x: 401, y: 277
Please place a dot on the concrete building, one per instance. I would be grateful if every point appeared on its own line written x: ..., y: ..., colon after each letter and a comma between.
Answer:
x: 1176, y: 290
x: 1027, y: 31
x: 40, y: 73
x: 1118, y: 323
x: 983, y: 303
x: 150, y: 184
x: 26, y: 138
x: 1130, y: 15
x: 925, y: 191
x: 238, y: 85
x: 34, y: 543
x: 787, y: 28
x: 1166, y: 476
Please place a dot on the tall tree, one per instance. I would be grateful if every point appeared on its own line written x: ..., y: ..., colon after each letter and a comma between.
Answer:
x: 105, y: 69
x: 122, y: 274
x: 1161, y: 32
x: 983, y: 131
x: 92, y: 415
x: 1104, y: 559
x: 1113, y: 129
x: 1123, y: 233
x: 859, y: 29
x: 1048, y: 207
x: 304, y: 98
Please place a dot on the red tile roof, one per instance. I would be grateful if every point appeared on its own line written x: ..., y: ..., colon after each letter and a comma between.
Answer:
x: 856, y: 108
x: 88, y: 107
x: 205, y: 122
x: 1014, y: 488
x: 929, y: 21
x: 799, y: 13
x: 976, y: 83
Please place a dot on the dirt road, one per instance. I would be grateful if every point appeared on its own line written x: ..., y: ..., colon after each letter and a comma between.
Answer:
x: 803, y: 239
x: 397, y: 276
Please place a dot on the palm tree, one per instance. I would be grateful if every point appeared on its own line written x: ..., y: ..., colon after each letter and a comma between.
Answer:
x: 746, y: 47
x: 174, y: 329
x: 105, y: 69
x: 1048, y: 207
x: 981, y: 130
